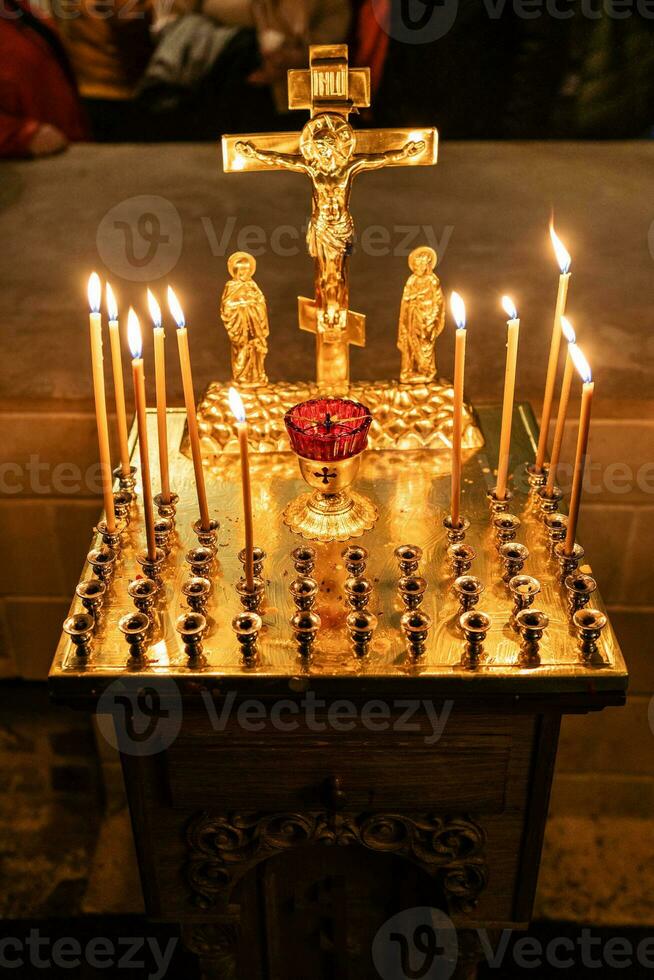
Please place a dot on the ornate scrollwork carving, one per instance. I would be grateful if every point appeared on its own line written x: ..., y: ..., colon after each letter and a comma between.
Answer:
x: 222, y: 848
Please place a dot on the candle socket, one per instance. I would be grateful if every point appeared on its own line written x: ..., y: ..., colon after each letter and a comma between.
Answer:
x: 580, y: 588
x: 475, y: 626
x: 251, y: 598
x: 408, y: 558
x: 467, y: 589
x: 496, y: 505
x: 143, y: 593
x: 458, y: 533
x: 461, y: 557
x: 412, y: 590
x: 123, y: 505
x: 361, y: 626
x: 556, y: 526
x: 79, y: 628
x: 304, y: 560
x: 200, y: 559
x: 127, y: 483
x: 163, y: 530
x: 191, y: 627
x: 513, y: 556
x: 506, y: 528
x: 112, y: 539
x: 532, y: 624
x: 355, y: 557
x: 196, y: 591
x: 103, y: 562
x: 536, y: 478
x: 589, y: 624
x: 568, y: 563
x: 524, y: 589
x: 549, y: 502
x: 357, y: 592
x: 152, y: 566
x: 135, y: 627
x: 167, y: 509
x: 247, y: 627
x: 91, y: 594
x: 305, y: 626
x: 207, y: 538
x: 259, y: 556
x: 304, y: 591
x: 416, y: 626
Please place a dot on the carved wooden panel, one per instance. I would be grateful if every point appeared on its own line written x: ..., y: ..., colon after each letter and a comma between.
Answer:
x: 222, y: 848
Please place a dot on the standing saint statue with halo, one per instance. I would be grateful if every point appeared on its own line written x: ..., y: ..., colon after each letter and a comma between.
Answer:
x: 245, y: 316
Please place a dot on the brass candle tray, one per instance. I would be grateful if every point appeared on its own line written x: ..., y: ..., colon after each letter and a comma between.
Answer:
x: 411, y: 490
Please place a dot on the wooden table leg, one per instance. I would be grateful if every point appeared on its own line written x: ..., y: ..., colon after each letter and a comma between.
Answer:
x: 215, y: 944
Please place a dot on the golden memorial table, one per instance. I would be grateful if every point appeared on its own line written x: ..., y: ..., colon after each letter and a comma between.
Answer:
x: 284, y: 810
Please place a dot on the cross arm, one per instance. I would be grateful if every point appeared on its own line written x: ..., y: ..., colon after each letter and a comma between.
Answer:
x: 368, y: 143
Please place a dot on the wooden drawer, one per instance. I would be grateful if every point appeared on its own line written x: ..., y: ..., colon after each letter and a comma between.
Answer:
x: 458, y: 773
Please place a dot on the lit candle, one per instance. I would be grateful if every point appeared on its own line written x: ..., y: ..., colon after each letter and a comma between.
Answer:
x: 136, y: 346
x: 95, y: 322
x: 513, y: 333
x: 119, y: 386
x: 236, y: 405
x: 583, y: 367
x: 459, y: 313
x: 568, y: 372
x: 160, y: 385
x: 564, y: 260
x: 189, y: 399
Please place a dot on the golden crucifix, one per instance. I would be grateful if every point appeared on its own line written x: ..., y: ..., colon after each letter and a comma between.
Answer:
x: 331, y: 154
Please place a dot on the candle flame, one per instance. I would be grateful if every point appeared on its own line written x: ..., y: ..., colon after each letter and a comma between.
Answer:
x: 236, y: 405
x: 134, y: 337
x: 176, y: 309
x: 458, y: 310
x: 112, y: 305
x: 568, y: 331
x: 155, y: 309
x: 509, y: 308
x: 562, y: 255
x: 581, y: 364
x: 95, y: 292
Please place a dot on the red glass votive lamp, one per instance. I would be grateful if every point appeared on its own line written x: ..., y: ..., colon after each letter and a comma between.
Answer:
x: 328, y: 428
x: 328, y: 435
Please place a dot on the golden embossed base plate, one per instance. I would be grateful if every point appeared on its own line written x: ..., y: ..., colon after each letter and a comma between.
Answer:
x: 405, y: 417
x: 411, y: 490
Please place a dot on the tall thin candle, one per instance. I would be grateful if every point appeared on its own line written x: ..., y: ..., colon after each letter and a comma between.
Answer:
x: 459, y: 313
x: 119, y: 385
x: 136, y: 346
x: 564, y: 260
x: 189, y: 400
x: 513, y: 333
x: 95, y: 324
x: 160, y: 385
x: 564, y: 398
x: 587, y: 392
x: 236, y: 405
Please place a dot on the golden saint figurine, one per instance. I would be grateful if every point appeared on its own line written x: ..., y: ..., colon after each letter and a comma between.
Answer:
x: 422, y: 318
x: 245, y: 315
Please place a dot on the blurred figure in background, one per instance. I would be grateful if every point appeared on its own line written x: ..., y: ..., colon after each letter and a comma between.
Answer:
x: 221, y: 65
x: 39, y: 106
x: 109, y: 44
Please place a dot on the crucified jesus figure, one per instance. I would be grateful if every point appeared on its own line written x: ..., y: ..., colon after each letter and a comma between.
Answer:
x: 327, y: 157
